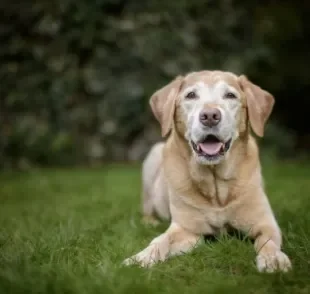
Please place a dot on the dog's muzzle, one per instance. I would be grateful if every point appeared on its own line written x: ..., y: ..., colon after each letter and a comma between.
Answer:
x: 211, y: 147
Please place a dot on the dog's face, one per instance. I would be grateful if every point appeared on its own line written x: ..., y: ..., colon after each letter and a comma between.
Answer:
x: 209, y: 109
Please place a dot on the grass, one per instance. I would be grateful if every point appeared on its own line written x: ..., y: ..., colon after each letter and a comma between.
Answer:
x: 67, y: 231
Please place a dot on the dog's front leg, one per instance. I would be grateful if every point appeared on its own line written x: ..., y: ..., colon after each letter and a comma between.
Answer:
x: 256, y: 219
x: 174, y: 241
x: 267, y: 244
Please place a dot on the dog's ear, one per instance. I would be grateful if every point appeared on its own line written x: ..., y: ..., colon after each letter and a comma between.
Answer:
x: 259, y: 103
x: 163, y: 104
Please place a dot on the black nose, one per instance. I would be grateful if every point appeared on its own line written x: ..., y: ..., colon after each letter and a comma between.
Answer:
x: 210, y: 117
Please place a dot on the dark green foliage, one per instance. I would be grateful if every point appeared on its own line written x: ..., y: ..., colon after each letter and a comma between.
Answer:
x: 76, y: 76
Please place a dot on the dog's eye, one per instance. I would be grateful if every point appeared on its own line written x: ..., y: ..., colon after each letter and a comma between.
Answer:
x: 230, y: 95
x: 191, y: 95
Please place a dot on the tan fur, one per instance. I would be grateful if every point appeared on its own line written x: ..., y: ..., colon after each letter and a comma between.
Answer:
x: 203, y: 199
x: 260, y: 104
x: 163, y: 108
x: 154, y: 191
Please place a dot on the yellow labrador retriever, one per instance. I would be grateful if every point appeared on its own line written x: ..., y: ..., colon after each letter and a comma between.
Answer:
x: 207, y: 176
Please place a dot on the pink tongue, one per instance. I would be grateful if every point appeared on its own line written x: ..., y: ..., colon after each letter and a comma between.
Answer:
x: 211, y: 148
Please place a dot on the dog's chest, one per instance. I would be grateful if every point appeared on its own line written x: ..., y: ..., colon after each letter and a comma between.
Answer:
x: 213, y: 188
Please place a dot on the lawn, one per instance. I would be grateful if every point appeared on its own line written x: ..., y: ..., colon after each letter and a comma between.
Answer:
x: 67, y: 231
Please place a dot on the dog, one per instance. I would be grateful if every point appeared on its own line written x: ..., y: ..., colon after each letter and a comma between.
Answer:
x: 207, y: 175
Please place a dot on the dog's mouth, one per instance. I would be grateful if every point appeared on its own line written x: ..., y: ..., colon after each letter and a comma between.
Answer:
x: 211, y: 147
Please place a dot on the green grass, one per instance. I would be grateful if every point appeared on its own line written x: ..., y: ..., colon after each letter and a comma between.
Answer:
x: 67, y: 231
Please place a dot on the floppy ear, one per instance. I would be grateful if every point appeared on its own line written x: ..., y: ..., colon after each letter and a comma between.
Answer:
x: 259, y: 103
x: 163, y: 104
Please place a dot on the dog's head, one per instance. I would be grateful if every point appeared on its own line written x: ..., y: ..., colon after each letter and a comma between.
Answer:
x: 211, y: 109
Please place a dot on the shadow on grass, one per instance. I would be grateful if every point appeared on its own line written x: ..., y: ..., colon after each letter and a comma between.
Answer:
x: 231, y: 233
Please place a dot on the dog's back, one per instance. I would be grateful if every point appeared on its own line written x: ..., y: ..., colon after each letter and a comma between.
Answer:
x: 154, y: 189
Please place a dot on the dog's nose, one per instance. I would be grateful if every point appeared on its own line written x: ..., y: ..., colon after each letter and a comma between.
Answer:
x: 210, y: 117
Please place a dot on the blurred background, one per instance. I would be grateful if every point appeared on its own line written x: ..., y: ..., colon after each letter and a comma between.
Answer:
x: 76, y: 76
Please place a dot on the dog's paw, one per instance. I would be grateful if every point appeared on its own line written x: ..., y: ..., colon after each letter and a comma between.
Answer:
x: 150, y: 221
x: 273, y: 262
x: 147, y: 257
